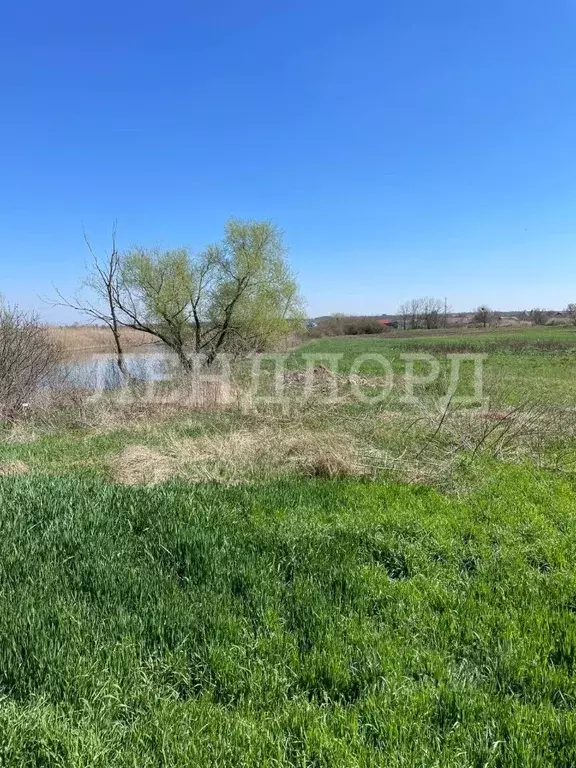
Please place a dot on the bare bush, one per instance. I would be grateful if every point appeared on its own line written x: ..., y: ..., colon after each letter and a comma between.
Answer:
x: 28, y: 357
x: 426, y: 312
x: 348, y: 325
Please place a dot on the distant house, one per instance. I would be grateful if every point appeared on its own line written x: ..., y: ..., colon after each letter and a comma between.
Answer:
x: 311, y: 324
x: 388, y: 323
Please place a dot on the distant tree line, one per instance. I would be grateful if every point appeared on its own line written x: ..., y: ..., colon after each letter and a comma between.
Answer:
x: 431, y: 313
x: 426, y: 312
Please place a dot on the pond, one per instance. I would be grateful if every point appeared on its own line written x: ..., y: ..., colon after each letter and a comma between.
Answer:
x: 99, y: 371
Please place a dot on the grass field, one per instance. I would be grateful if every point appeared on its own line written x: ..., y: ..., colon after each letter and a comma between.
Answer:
x: 536, y: 361
x: 302, y: 623
x: 275, y: 613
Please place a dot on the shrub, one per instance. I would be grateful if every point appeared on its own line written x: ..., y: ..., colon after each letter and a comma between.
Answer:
x: 538, y: 316
x: 348, y: 325
x: 27, y: 359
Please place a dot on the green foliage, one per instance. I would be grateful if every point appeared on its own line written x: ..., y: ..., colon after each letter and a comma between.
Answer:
x: 255, y: 297
x: 160, y: 285
x: 237, y: 295
x: 294, y: 624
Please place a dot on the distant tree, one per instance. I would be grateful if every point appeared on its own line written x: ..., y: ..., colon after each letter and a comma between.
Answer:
x: 416, y: 311
x: 571, y: 311
x: 425, y: 312
x: 404, y: 314
x: 336, y: 323
x: 432, y: 312
x: 445, y: 313
x: 483, y: 316
x: 538, y: 316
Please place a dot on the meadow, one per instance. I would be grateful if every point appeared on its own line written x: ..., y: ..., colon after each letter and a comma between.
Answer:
x: 332, y: 584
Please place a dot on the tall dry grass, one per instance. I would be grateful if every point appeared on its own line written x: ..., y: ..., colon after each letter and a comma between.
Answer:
x: 80, y: 338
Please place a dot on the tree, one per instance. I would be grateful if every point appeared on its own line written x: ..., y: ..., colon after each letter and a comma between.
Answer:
x: 571, y: 312
x: 158, y: 293
x: 404, y: 314
x: 483, y: 316
x: 336, y: 322
x: 416, y: 308
x: 425, y: 312
x: 538, y: 316
x: 255, y: 300
x: 432, y: 312
x: 96, y: 296
x: 237, y: 295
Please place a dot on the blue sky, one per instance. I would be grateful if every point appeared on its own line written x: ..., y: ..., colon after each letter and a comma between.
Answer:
x: 406, y: 148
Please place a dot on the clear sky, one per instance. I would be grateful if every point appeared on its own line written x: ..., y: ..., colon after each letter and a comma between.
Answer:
x: 406, y: 148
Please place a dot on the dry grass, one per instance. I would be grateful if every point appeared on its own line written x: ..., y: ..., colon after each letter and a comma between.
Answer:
x: 202, y: 396
x: 440, y: 440
x: 140, y: 465
x: 242, y: 456
x: 8, y: 468
x: 272, y: 450
x: 19, y: 433
x: 428, y: 448
x: 87, y: 337
x: 137, y: 406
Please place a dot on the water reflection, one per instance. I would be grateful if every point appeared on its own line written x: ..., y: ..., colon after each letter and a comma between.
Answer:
x: 100, y: 371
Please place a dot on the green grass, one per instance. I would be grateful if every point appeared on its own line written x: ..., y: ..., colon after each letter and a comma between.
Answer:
x: 293, y: 622
x: 536, y: 363
x: 289, y: 624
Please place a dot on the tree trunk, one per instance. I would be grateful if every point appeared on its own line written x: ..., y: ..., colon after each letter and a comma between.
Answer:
x: 120, y: 362
x: 185, y: 361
